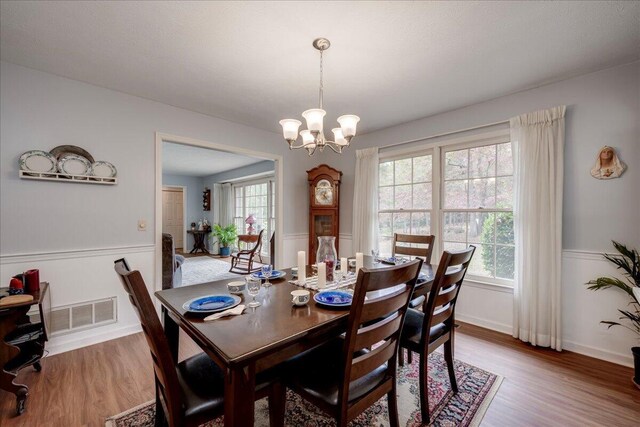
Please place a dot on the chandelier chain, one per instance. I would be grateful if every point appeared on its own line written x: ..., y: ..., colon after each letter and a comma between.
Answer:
x: 321, y: 82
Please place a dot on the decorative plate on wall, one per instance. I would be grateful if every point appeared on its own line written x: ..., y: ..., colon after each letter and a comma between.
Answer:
x: 38, y: 161
x: 73, y: 164
x: 62, y: 150
x: 102, y: 169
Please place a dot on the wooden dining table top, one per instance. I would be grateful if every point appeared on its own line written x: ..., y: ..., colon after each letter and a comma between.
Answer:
x: 275, y: 324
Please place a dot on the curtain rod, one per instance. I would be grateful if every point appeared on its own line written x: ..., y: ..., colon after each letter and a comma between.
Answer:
x: 445, y: 134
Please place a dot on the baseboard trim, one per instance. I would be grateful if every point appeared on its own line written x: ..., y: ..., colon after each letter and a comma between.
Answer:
x: 484, y: 323
x: 66, y: 343
x: 596, y: 353
x: 73, y: 254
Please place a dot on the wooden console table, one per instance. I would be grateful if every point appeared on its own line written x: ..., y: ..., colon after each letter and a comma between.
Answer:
x: 199, y: 241
x: 22, y: 341
x: 247, y: 238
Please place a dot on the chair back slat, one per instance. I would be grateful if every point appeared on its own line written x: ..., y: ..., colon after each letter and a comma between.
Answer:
x: 163, y: 363
x: 366, y: 363
x: 424, y: 251
x: 378, y: 320
x: 440, y: 306
x: 376, y: 332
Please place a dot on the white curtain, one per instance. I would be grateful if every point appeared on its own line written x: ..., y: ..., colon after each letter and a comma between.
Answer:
x: 226, y: 204
x: 365, y: 201
x: 538, y: 145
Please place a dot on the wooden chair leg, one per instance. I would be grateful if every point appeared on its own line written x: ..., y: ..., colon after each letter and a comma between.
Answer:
x: 401, y: 357
x: 161, y: 418
x: 277, y: 404
x: 424, y: 388
x: 409, y: 356
x: 448, y: 357
x: 392, y: 403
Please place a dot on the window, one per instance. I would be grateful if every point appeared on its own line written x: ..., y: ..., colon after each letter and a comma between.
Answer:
x: 464, y: 198
x: 477, y: 207
x: 404, y: 201
x: 257, y: 198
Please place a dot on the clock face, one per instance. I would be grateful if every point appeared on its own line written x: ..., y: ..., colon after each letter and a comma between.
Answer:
x: 324, y: 192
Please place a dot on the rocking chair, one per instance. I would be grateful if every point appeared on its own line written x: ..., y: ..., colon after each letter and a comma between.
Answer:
x: 242, y: 261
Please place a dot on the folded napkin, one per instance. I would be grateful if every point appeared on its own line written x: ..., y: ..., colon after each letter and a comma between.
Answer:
x: 230, y: 312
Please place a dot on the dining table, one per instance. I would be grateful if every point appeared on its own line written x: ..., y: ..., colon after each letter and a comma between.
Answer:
x: 260, y: 338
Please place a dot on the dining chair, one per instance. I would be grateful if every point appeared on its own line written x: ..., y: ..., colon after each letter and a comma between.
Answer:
x: 424, y: 331
x: 191, y: 392
x: 242, y: 261
x: 343, y: 377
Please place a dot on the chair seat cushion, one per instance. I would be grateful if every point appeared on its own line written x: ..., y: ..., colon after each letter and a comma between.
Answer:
x: 318, y: 374
x: 412, y: 330
x: 202, y: 383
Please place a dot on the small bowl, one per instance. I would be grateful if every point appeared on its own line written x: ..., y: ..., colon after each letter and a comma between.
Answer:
x: 236, y: 287
x: 294, y: 271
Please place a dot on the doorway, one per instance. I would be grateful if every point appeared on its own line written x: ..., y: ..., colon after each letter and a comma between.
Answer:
x: 173, y: 205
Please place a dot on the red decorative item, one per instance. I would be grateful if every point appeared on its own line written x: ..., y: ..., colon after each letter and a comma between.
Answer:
x: 32, y: 279
x: 16, y: 283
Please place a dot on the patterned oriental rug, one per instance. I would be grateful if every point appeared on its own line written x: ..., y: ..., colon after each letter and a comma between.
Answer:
x: 204, y: 269
x: 466, y: 408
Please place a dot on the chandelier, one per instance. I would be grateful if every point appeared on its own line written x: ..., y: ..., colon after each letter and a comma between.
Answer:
x: 313, y: 137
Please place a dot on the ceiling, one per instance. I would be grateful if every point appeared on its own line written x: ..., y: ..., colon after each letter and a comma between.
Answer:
x: 178, y: 159
x: 252, y: 62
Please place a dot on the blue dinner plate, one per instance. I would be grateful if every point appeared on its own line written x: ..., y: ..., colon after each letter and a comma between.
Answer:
x: 211, y: 303
x: 333, y: 298
x: 275, y: 274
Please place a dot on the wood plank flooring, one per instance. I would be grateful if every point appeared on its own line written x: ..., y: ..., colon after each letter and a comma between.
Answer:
x: 541, y: 387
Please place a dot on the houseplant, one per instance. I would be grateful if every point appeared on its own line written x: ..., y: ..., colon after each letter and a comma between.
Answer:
x: 226, y: 237
x: 628, y: 261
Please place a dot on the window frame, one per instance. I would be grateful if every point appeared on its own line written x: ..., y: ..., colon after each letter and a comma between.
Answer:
x: 438, y: 147
x: 271, y: 188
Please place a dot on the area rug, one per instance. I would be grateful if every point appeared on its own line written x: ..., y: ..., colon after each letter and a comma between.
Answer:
x: 204, y: 269
x: 477, y: 388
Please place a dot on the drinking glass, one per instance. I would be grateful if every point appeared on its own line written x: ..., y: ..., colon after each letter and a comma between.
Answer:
x: 266, y: 272
x: 375, y: 253
x: 253, y: 289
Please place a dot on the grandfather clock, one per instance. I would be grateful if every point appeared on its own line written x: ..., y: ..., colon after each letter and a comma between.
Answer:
x: 324, y: 206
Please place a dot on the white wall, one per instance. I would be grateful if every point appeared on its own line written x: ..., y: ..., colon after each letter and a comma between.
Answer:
x: 40, y: 222
x: 603, y: 108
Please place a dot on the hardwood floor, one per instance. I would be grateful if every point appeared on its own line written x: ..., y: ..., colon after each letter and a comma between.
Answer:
x: 541, y: 387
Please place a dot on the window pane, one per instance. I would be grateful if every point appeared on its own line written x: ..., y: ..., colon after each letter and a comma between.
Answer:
x: 403, y: 197
x: 456, y: 164
x: 482, y: 161
x: 385, y: 245
x: 482, y: 262
x: 386, y: 173
x: 482, y: 193
x: 385, y: 200
x: 504, y: 228
x: 420, y: 223
x: 453, y: 246
x: 455, y: 227
x: 403, y: 171
x: 402, y: 223
x: 455, y: 194
x: 505, y: 263
x: 481, y: 228
x: 422, y: 196
x: 384, y: 220
x: 504, y: 190
x: 505, y: 160
x: 422, y: 169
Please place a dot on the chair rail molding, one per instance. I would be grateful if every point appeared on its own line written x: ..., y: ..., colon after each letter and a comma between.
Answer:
x: 73, y: 253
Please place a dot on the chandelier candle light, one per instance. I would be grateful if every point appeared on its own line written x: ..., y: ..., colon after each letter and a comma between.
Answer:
x: 313, y: 137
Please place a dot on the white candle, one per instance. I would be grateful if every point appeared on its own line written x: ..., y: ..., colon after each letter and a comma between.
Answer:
x: 302, y: 266
x: 359, y: 261
x: 344, y: 265
x: 322, y: 275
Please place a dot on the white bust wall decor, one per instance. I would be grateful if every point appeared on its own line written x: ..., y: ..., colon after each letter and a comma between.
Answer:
x: 608, y: 165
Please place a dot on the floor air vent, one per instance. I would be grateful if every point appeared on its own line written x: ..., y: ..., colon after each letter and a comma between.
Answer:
x: 85, y: 315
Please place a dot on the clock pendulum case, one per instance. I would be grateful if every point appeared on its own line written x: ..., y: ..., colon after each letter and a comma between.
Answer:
x: 324, y: 206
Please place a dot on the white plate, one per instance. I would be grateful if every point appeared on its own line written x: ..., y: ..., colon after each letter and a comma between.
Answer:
x: 38, y: 161
x: 103, y: 169
x: 73, y: 164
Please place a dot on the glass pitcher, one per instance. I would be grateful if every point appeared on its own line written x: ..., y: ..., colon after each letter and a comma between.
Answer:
x: 327, y: 253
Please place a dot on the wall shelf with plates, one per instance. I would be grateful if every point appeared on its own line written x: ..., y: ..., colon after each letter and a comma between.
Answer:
x: 66, y: 163
x: 63, y: 177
